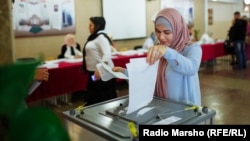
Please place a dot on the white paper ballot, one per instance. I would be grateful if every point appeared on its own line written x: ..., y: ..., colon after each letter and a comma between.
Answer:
x: 107, y: 73
x: 33, y: 87
x: 142, y: 78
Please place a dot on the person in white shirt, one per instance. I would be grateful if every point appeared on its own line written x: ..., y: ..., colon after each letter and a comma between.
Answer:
x: 206, y: 38
x: 97, y: 49
x: 150, y: 41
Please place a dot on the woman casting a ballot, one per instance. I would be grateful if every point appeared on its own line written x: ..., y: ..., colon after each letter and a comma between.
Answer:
x: 179, y: 59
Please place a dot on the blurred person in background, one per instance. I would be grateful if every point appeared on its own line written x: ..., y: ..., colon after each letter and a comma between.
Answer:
x: 237, y: 38
x: 70, y: 49
x: 150, y: 41
x: 248, y: 40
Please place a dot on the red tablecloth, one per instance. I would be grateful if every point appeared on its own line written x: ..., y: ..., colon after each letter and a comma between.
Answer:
x: 219, y: 49
x: 211, y: 51
x: 122, y: 60
x: 68, y: 78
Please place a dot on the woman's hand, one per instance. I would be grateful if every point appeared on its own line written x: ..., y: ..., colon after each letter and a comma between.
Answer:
x: 155, y: 53
x: 41, y: 74
x: 118, y: 69
x: 97, y: 75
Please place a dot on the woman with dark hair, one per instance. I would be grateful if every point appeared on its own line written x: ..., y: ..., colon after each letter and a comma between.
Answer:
x: 97, y: 49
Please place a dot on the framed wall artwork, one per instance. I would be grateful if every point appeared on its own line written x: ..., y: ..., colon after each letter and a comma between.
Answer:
x: 210, y: 16
x: 43, y: 17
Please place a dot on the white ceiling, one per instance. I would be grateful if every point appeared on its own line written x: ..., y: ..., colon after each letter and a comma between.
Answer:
x: 227, y: 1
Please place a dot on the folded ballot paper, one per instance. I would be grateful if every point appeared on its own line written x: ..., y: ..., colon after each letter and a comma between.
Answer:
x: 142, y: 79
x: 33, y: 87
x: 107, y: 73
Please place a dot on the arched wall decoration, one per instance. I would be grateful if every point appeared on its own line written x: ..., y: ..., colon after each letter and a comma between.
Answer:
x: 43, y: 17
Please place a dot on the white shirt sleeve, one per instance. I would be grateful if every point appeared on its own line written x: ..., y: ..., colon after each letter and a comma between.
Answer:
x: 205, y: 39
x: 106, y: 49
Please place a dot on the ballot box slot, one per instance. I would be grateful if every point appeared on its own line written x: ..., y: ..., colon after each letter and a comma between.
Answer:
x: 174, y: 117
x: 113, y: 130
x: 110, y: 119
x: 153, y: 112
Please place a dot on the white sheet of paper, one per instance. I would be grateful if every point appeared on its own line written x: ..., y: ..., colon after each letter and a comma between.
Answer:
x: 142, y: 78
x: 73, y: 60
x: 105, y: 75
x: 116, y: 74
x: 34, y: 85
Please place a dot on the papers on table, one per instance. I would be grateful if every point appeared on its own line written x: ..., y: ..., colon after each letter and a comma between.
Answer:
x: 142, y: 78
x: 55, y: 63
x: 131, y: 52
x: 51, y: 64
x: 73, y: 60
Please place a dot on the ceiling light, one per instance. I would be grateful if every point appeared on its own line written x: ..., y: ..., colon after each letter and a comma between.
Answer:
x: 247, y: 1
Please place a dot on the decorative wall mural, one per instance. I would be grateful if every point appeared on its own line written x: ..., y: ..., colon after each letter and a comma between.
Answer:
x: 43, y: 17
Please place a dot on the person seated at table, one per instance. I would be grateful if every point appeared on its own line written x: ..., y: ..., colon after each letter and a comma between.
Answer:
x: 206, y: 38
x: 70, y: 49
x: 150, y: 41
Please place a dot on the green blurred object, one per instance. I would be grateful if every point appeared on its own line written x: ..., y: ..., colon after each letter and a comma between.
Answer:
x: 37, y: 124
x: 196, y: 34
x: 15, y: 80
x: 17, y: 121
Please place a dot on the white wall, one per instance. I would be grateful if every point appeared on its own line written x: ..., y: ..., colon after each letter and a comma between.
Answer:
x: 226, y: 1
x: 222, y: 17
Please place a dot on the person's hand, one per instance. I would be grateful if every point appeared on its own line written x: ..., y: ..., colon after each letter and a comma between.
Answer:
x: 155, y: 53
x: 118, y: 69
x: 41, y: 74
x: 97, y: 75
x: 77, y: 56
